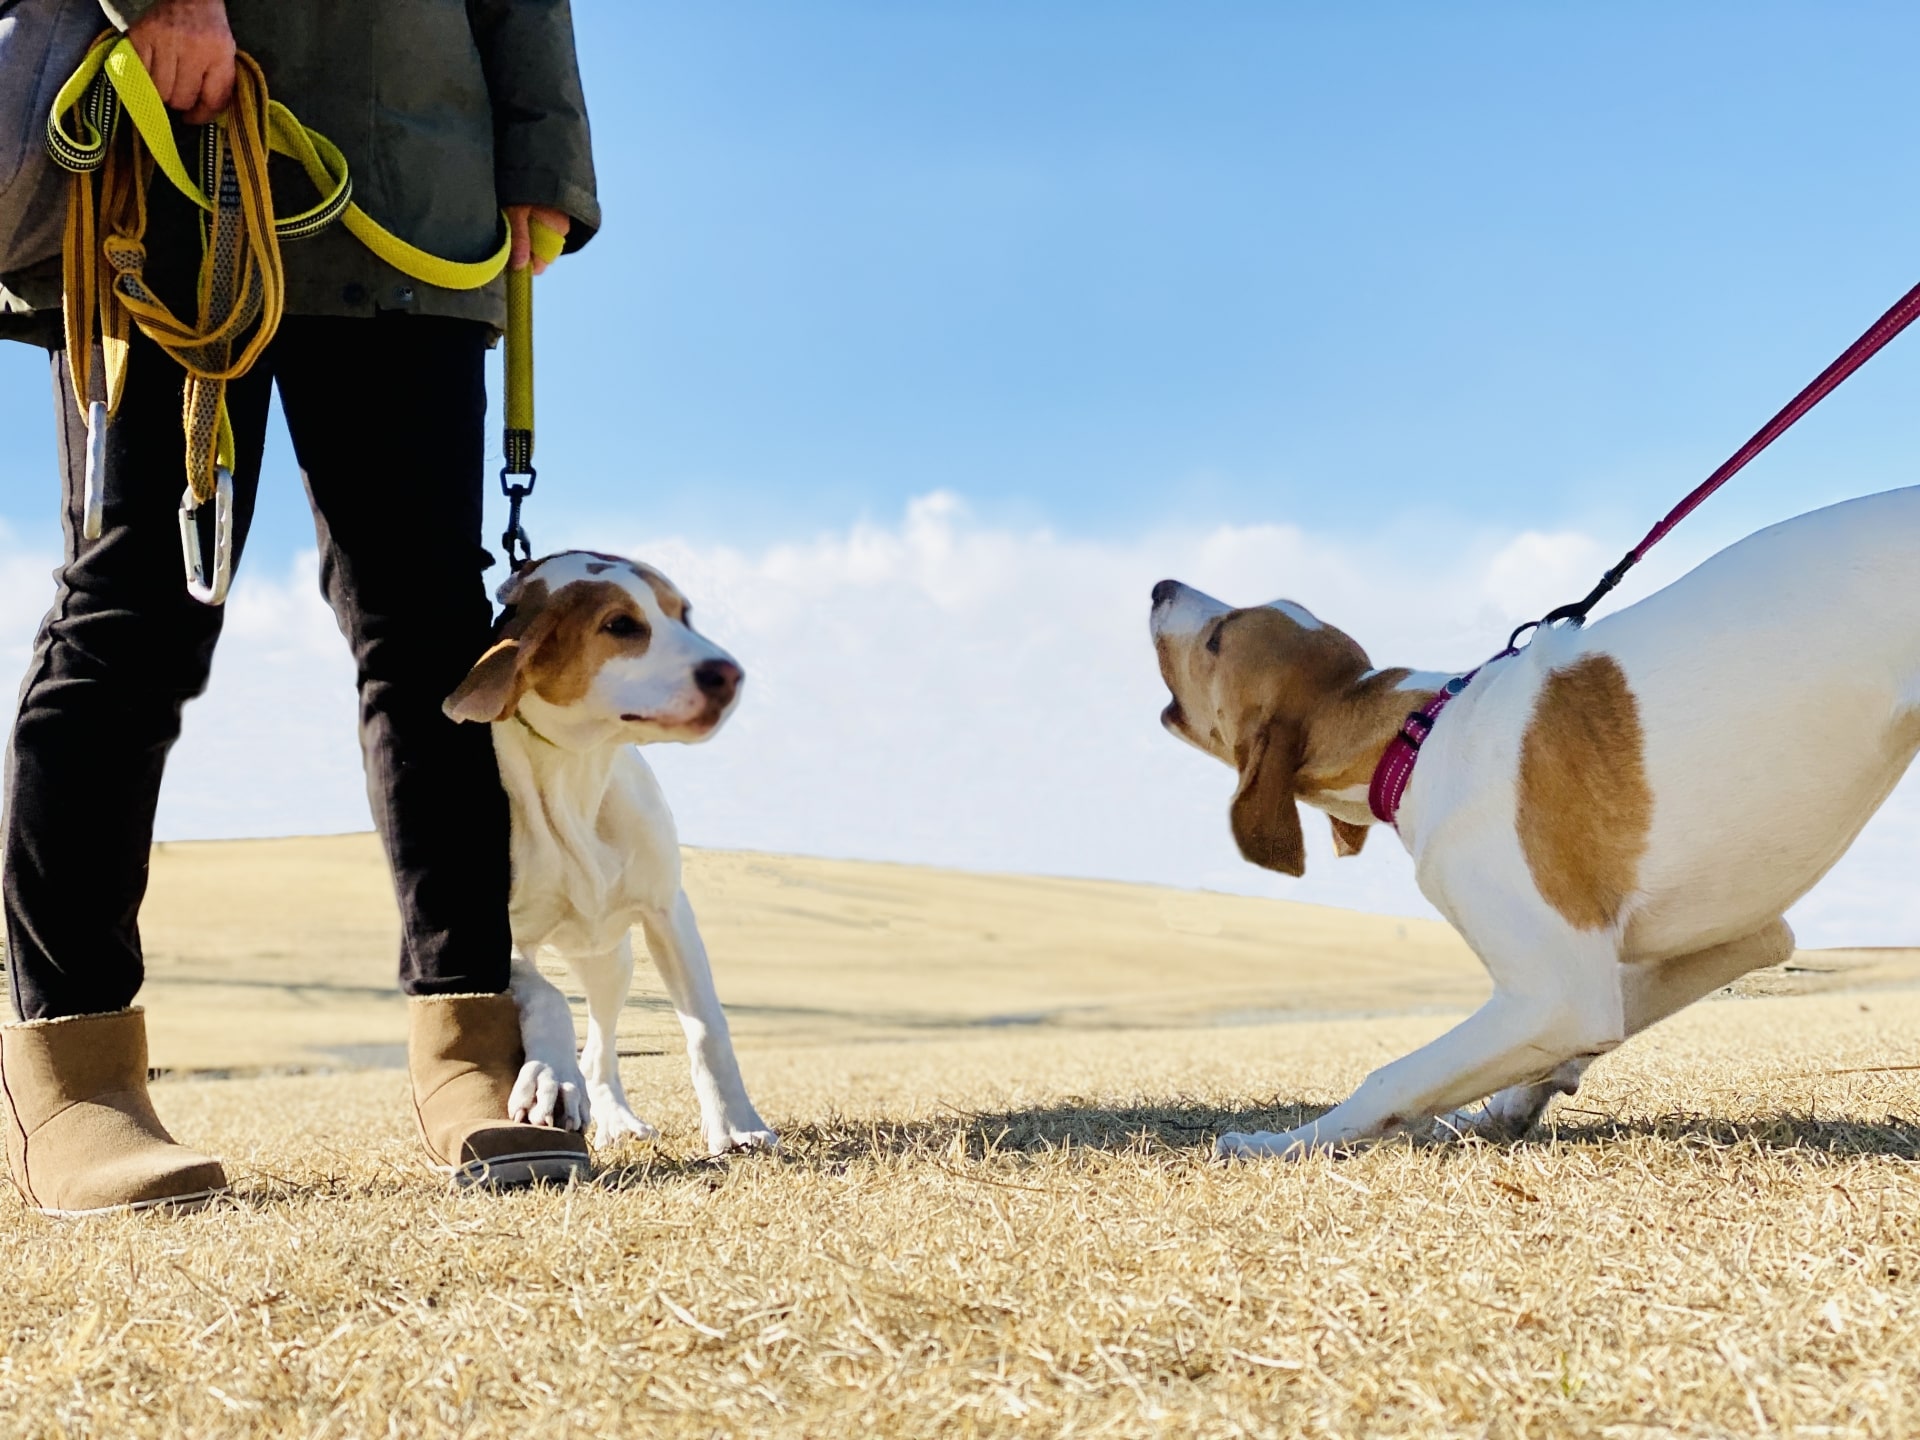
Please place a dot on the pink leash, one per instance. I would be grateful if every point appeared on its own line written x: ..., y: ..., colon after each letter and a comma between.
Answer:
x: 1395, y: 769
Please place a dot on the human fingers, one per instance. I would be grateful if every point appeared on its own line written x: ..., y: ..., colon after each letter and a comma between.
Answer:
x: 557, y: 221
x: 521, y: 239
x: 216, y: 87
x: 163, y: 65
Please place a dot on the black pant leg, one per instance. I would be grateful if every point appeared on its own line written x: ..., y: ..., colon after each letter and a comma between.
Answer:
x: 387, y: 418
x: 122, y: 650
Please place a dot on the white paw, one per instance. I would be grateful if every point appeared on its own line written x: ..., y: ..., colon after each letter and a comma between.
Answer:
x: 553, y: 1095
x: 750, y: 1132
x: 614, y: 1122
x: 1290, y: 1145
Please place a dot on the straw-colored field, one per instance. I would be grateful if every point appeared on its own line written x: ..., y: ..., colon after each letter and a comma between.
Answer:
x: 993, y: 1214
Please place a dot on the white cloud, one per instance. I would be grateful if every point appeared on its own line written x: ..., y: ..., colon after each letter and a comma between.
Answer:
x: 945, y: 691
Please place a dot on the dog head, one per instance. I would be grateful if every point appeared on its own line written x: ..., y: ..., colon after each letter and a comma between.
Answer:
x: 1248, y: 686
x: 594, y: 649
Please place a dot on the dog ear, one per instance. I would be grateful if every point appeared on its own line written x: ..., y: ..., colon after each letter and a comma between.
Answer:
x: 1265, y: 815
x: 493, y: 687
x: 1348, y: 837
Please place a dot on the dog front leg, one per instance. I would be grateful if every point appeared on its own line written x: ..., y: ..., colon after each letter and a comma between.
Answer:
x: 607, y: 979
x: 1511, y: 1040
x: 549, y: 1089
x: 678, y: 952
x: 1556, y: 997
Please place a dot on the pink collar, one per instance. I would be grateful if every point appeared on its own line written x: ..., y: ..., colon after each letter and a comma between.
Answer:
x: 1395, y: 770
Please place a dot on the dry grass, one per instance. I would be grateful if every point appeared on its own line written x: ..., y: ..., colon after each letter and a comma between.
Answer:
x: 991, y: 1230
x: 1017, y: 1234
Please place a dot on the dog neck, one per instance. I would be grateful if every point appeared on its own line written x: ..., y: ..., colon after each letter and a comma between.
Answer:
x: 1347, y: 737
x: 557, y: 796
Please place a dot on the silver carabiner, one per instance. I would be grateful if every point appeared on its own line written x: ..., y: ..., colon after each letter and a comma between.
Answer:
x: 93, y: 515
x: 209, y: 586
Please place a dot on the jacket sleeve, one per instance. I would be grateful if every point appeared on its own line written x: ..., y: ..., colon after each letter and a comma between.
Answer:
x: 542, y: 153
x: 123, y: 13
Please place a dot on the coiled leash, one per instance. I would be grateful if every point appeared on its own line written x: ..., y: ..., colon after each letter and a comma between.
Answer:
x: 242, y: 279
x: 1395, y: 770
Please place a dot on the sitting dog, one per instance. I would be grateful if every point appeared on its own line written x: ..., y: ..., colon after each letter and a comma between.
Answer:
x: 1614, y: 818
x: 594, y: 656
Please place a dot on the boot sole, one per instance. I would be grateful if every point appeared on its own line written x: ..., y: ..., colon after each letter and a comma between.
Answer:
x: 198, y: 1200
x: 515, y: 1172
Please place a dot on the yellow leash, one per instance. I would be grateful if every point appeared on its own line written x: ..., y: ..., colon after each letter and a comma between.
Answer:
x: 242, y: 279
x: 517, y: 442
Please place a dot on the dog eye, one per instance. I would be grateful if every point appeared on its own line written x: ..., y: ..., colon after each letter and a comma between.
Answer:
x: 624, y: 627
x: 1213, y: 640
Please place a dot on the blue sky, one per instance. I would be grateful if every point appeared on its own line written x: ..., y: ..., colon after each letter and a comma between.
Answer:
x: 1395, y: 284
x: 1106, y: 265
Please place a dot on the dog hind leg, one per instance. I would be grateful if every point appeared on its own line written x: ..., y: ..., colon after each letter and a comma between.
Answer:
x: 1652, y: 991
x: 1511, y: 1113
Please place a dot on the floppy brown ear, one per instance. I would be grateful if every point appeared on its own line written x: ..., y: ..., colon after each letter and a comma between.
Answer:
x: 1265, y: 816
x: 493, y: 687
x: 1348, y: 837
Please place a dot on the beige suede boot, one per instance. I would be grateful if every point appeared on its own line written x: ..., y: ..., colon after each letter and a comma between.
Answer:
x: 82, y: 1138
x: 463, y: 1055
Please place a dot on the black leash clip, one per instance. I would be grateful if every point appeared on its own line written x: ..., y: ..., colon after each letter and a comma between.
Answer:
x: 1576, y: 613
x: 514, y: 538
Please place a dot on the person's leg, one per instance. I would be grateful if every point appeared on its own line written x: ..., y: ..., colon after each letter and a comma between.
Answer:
x: 122, y: 650
x: 387, y: 420
x: 120, y: 653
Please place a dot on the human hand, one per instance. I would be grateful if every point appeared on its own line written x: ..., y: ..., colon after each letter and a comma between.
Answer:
x: 187, y: 48
x: 517, y: 226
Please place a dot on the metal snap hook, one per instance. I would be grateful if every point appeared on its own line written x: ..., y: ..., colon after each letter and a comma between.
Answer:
x: 93, y: 514
x: 207, y: 584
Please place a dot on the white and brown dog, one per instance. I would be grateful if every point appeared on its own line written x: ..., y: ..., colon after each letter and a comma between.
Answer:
x: 594, y: 656
x: 1615, y: 818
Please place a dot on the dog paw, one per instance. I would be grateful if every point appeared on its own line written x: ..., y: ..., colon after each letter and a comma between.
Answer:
x: 752, y: 1133
x: 544, y: 1094
x: 614, y: 1122
x: 1291, y: 1145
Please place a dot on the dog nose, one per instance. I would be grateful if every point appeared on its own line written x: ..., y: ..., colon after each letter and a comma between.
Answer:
x: 718, y: 679
x: 1165, y: 591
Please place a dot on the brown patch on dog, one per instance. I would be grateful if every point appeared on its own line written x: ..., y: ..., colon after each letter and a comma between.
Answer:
x: 1264, y: 817
x: 672, y: 602
x: 553, y: 644
x: 1348, y: 837
x: 586, y: 624
x: 1257, y: 680
x: 1584, y: 804
x: 1349, y: 737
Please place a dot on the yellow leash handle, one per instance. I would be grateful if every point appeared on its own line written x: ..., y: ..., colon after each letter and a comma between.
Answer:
x: 517, y: 438
x: 546, y: 245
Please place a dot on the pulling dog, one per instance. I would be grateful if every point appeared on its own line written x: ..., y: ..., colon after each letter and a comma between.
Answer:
x: 1615, y: 818
x: 594, y: 656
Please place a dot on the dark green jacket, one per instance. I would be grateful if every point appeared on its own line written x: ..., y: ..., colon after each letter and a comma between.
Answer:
x: 445, y: 109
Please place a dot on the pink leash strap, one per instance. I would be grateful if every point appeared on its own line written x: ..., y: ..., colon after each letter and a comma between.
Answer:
x: 1903, y: 314
x: 1395, y: 769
